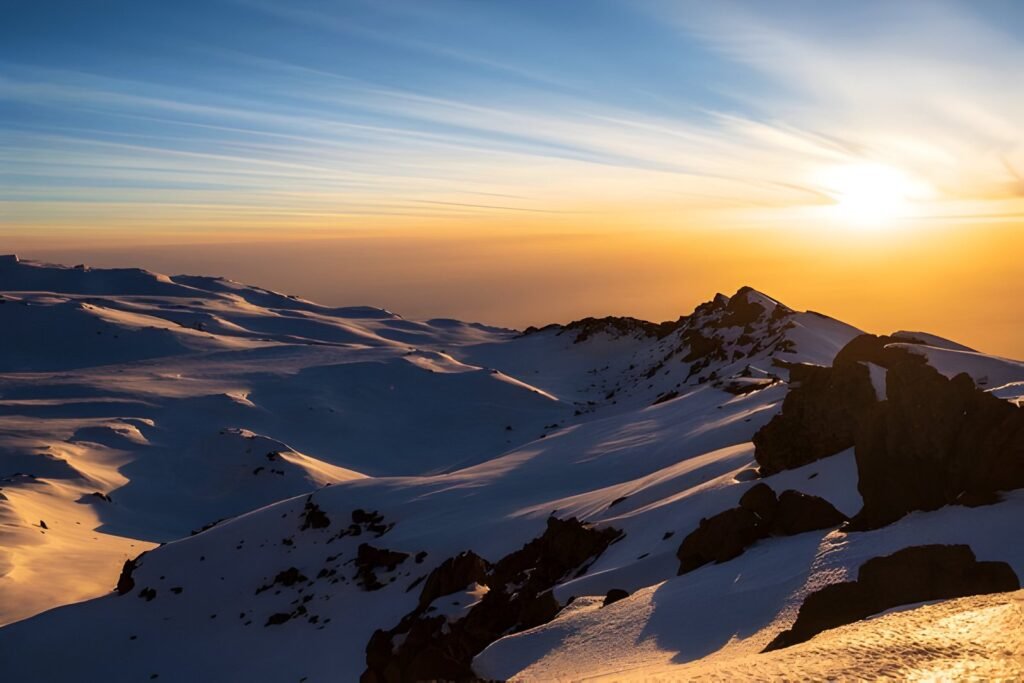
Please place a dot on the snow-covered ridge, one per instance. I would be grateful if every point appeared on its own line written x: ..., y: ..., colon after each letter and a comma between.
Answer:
x: 344, y: 455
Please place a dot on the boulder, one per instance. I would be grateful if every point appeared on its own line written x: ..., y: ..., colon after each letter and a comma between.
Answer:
x: 798, y: 512
x: 720, y: 538
x: 762, y: 501
x: 911, y: 575
x: 614, y: 595
x: 760, y: 514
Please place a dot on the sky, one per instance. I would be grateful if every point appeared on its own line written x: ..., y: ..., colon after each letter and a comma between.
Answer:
x: 529, y: 161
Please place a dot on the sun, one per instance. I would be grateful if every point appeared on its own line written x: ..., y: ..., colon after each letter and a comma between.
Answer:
x: 870, y: 195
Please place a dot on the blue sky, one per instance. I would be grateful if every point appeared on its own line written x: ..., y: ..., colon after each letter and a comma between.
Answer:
x: 194, y: 118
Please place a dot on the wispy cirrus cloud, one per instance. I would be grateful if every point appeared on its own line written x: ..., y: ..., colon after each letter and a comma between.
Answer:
x: 413, y: 118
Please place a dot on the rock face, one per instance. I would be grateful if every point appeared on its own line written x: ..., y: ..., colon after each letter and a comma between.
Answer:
x: 916, y: 574
x: 824, y: 406
x: 760, y: 514
x: 425, y: 647
x: 798, y: 512
x: 934, y: 442
x: 453, y: 575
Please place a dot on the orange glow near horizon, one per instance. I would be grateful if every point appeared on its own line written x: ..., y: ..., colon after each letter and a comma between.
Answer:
x: 956, y: 279
x: 502, y: 162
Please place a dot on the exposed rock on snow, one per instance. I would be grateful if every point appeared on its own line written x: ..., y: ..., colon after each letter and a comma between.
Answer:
x: 759, y: 515
x: 934, y: 442
x: 823, y: 407
x: 125, y: 582
x: 612, y: 326
x: 370, y: 559
x: 428, y: 647
x: 453, y: 575
x: 798, y: 513
x: 204, y: 399
x: 313, y: 517
x: 614, y: 595
x: 912, y: 575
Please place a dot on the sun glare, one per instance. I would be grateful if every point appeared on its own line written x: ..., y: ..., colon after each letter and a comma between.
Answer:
x: 872, y: 195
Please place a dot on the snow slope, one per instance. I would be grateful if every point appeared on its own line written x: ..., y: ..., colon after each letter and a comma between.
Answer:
x: 219, y: 401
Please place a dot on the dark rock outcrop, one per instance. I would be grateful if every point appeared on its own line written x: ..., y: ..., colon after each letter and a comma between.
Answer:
x: 313, y: 517
x: 741, y: 310
x: 760, y: 514
x: 719, y: 539
x: 614, y: 595
x: 125, y: 582
x: 519, y: 597
x: 911, y: 575
x: 935, y: 441
x: 369, y: 559
x: 286, y: 577
x: 823, y: 407
x: 368, y: 522
x: 453, y: 575
x: 798, y: 512
x: 614, y: 326
x: 761, y: 500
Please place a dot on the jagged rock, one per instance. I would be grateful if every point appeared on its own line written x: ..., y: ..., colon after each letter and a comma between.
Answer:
x: 702, y: 347
x: 425, y: 647
x: 614, y: 326
x: 740, y: 310
x: 372, y: 522
x: 125, y: 582
x: 313, y: 517
x: 799, y: 512
x: 825, y: 405
x: 369, y: 559
x: 911, y: 575
x: 453, y: 575
x: 361, y: 516
x: 934, y: 442
x: 614, y: 595
x: 818, y: 418
x: 564, y: 545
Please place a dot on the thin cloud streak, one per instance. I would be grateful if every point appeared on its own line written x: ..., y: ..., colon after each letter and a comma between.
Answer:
x: 289, y: 134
